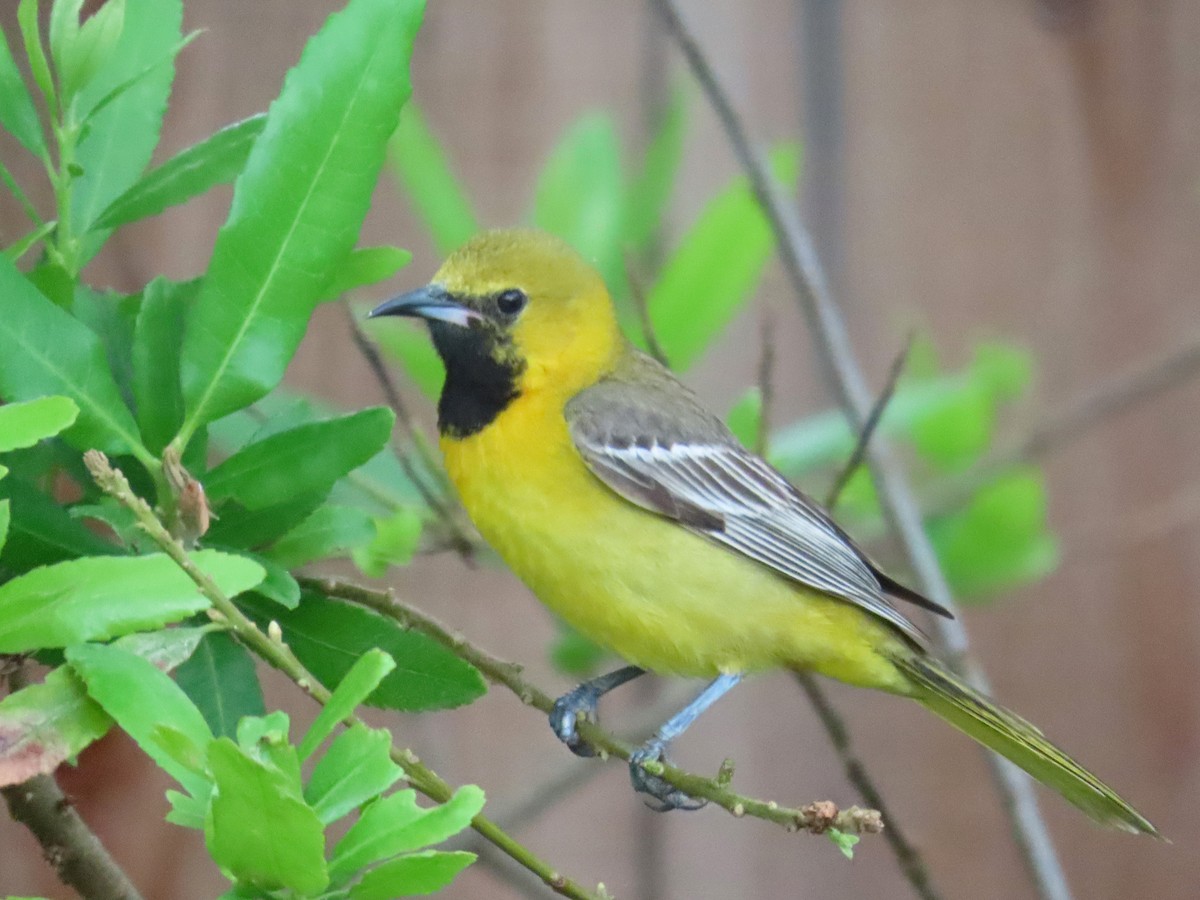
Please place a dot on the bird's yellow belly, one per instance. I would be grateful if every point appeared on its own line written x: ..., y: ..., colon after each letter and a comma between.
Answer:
x: 656, y: 594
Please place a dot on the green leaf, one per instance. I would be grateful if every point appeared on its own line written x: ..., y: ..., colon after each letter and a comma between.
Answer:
x: 297, y: 206
x: 395, y: 824
x: 956, y: 432
x: 745, y: 416
x: 157, y: 339
x: 648, y: 194
x: 394, y: 543
x: 365, y: 266
x: 44, y: 350
x: 330, y: 531
x: 17, y: 112
x: 843, y: 841
x: 100, y: 597
x: 413, y: 875
x: 715, y: 268
x: 259, y: 828
x: 329, y: 636
x: 303, y: 460
x: 215, y: 160
x: 27, y: 18
x: 142, y: 700
x: 424, y: 171
x: 356, y: 767
x: 45, y: 724
x: 364, y: 676
x: 220, y: 679
x: 1001, y: 539
x: 24, y: 424
x: 121, y: 138
x: 579, y: 195
x: 79, y: 52
x: 573, y: 654
x: 5, y: 515
x: 249, y: 529
x: 113, y: 317
x: 265, y: 738
x: 42, y: 531
x: 408, y: 344
x: 279, y: 585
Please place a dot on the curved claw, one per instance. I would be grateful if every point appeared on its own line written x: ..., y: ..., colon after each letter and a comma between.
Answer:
x: 564, y: 718
x: 668, y: 796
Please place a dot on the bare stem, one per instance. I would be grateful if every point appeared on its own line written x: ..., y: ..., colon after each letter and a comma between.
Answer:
x: 279, y: 655
x: 815, y: 818
x: 845, y: 378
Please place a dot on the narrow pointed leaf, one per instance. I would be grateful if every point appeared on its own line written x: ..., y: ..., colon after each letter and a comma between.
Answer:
x: 157, y: 339
x: 649, y: 192
x: 259, y: 828
x: 356, y: 767
x: 142, y: 699
x: 297, y: 206
x: 714, y: 270
x: 39, y: 66
x: 121, y: 138
x: 364, y: 676
x: 100, y: 597
x: 579, y: 195
x: 301, y: 460
x: 218, y: 159
x: 42, y: 531
x: 429, y: 181
x: 330, y: 531
x: 17, y: 112
x: 413, y: 875
x: 395, y: 824
x: 44, y: 350
x: 220, y: 679
x: 24, y: 424
x: 364, y: 266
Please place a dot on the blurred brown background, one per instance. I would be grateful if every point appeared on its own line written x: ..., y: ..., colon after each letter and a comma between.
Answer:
x: 1013, y: 168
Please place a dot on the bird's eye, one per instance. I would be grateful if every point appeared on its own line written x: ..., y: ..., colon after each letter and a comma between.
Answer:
x: 511, y: 302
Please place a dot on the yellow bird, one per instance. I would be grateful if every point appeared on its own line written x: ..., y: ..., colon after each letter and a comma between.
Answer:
x: 634, y: 514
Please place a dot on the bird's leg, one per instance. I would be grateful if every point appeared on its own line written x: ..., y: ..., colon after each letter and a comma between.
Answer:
x: 669, y: 797
x: 583, y: 701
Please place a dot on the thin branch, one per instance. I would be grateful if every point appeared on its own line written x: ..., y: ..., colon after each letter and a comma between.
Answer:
x: 766, y: 381
x: 911, y: 863
x: 815, y: 818
x: 868, y: 429
x: 71, y: 848
x: 1114, y: 395
x: 845, y: 378
x: 637, y: 291
x: 271, y: 648
x: 458, y: 538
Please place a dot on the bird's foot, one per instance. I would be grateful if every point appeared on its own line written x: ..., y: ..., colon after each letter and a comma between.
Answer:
x: 665, y: 797
x: 568, y: 710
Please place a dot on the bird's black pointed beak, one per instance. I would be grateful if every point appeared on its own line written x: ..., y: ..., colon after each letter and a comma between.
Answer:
x: 432, y: 303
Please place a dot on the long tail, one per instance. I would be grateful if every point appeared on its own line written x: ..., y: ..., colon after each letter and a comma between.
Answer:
x: 1012, y: 737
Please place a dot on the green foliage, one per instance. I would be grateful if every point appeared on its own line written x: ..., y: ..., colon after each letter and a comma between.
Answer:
x: 329, y: 636
x: 178, y: 382
x: 138, y: 376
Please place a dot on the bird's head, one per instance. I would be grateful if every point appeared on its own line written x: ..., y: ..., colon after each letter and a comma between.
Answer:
x: 514, y: 312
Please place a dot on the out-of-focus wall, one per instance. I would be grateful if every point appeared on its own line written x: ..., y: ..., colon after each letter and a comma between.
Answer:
x: 1004, y: 172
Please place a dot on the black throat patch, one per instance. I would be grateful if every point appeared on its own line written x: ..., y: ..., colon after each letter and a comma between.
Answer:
x: 478, y: 387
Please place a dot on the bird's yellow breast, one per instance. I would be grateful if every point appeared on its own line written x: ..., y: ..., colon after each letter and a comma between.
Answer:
x: 656, y: 594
